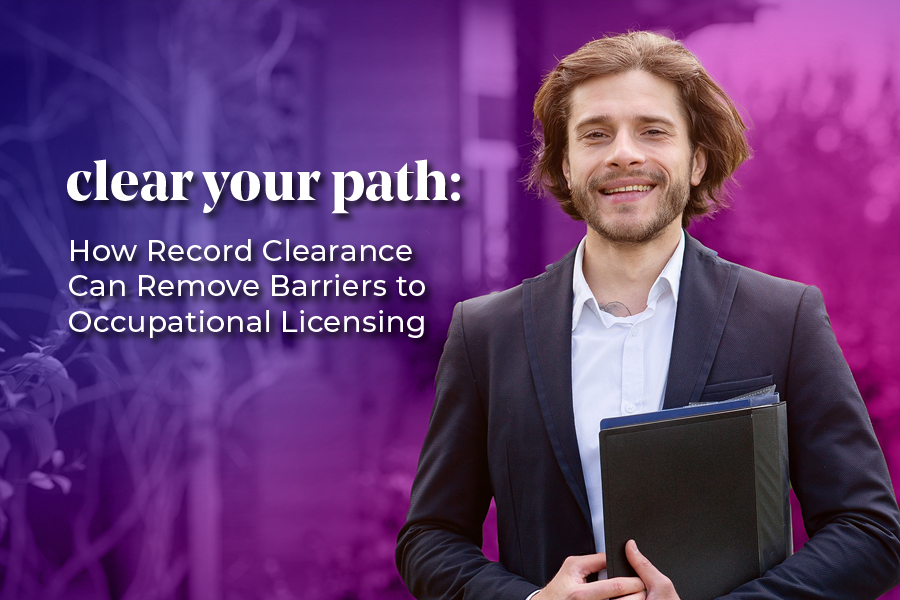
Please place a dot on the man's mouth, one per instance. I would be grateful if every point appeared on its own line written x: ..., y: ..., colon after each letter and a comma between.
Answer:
x: 627, y: 188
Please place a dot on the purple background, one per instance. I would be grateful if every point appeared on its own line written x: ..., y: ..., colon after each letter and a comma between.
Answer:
x: 278, y: 467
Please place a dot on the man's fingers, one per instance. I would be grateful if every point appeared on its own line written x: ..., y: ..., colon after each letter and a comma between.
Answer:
x: 582, y: 566
x: 620, y: 587
x: 645, y: 570
x: 637, y: 596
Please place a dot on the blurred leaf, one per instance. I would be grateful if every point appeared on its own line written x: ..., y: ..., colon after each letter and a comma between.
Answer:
x: 77, y: 464
x: 7, y: 270
x: 44, y: 379
x: 55, y: 338
x: 57, y: 403
x: 5, y: 447
x: 38, y: 429
x: 8, y: 331
x: 40, y: 480
x: 41, y: 349
x: 6, y: 492
x: 58, y: 458
x: 32, y: 362
x: 64, y: 483
x: 12, y: 398
x: 66, y: 395
x: 41, y: 395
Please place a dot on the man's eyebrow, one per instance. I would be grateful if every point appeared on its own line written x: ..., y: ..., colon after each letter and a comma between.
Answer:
x: 642, y: 119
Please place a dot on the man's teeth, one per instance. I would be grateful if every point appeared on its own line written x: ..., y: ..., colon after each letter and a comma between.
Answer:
x: 629, y: 188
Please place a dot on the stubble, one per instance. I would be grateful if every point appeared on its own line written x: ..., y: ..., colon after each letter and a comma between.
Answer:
x: 669, y: 208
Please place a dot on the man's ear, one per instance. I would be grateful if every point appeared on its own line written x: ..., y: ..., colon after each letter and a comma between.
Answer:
x: 699, y: 165
x: 565, y: 169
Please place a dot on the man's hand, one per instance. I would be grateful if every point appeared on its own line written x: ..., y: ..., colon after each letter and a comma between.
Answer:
x: 659, y: 587
x: 569, y: 584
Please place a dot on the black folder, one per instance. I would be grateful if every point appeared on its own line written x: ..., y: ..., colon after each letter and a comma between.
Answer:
x: 703, y: 490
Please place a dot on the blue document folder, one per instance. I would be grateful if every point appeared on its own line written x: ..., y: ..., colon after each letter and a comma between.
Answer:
x: 691, y: 410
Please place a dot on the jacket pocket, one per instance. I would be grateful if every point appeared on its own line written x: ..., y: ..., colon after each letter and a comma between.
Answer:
x: 729, y: 389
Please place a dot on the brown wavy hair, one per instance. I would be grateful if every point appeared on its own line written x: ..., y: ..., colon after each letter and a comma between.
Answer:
x: 714, y: 122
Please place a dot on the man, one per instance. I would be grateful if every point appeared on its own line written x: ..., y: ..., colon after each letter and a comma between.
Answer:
x: 637, y: 141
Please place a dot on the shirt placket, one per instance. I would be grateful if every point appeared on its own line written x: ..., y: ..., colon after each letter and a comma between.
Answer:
x: 633, y: 370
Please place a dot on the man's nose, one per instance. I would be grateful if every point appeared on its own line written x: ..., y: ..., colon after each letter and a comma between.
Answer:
x: 625, y: 152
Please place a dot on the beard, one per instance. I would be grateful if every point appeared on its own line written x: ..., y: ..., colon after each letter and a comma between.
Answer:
x: 670, y: 207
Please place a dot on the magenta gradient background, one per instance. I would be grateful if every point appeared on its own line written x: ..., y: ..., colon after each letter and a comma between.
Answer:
x: 290, y: 459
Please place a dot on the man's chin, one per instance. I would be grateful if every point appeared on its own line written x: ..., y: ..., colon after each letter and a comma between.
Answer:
x: 624, y: 232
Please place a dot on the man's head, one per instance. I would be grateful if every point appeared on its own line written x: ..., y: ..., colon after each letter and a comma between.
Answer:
x: 616, y: 87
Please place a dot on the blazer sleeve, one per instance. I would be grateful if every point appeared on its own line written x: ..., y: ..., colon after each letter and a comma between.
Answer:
x: 439, y: 548
x: 838, y: 473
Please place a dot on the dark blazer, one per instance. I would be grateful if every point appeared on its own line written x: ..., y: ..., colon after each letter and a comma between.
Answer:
x: 502, y: 426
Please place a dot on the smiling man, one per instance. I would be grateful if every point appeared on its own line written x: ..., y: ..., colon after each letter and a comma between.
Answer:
x: 637, y: 140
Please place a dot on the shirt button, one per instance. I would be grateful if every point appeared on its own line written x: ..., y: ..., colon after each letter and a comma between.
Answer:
x: 634, y: 331
x: 629, y: 407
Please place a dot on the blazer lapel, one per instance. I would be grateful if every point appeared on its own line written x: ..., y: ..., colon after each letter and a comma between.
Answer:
x: 704, y: 302
x: 547, y: 312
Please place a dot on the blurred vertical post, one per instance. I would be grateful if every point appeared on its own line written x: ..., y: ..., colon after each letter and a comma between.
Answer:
x: 487, y: 89
x: 203, y: 366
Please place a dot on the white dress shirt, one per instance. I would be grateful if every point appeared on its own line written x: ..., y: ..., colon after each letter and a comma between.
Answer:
x: 619, y: 366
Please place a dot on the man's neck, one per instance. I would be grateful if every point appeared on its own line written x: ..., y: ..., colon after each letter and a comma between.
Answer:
x: 622, y: 274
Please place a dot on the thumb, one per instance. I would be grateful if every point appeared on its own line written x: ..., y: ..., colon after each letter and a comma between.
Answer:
x: 649, y: 574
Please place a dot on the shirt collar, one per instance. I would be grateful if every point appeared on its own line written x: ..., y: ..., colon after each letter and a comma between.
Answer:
x: 670, y: 278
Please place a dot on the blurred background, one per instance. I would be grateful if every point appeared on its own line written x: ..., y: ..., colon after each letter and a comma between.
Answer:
x: 271, y: 467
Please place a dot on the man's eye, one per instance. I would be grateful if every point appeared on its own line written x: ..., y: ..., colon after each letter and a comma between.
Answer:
x: 655, y: 132
x: 595, y: 135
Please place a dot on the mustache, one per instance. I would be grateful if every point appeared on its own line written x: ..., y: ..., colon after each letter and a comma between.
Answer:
x: 599, y: 181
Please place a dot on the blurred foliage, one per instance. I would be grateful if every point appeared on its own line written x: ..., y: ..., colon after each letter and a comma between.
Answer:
x: 819, y: 203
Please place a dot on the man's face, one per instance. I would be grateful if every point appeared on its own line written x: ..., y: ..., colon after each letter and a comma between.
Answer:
x: 629, y: 162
